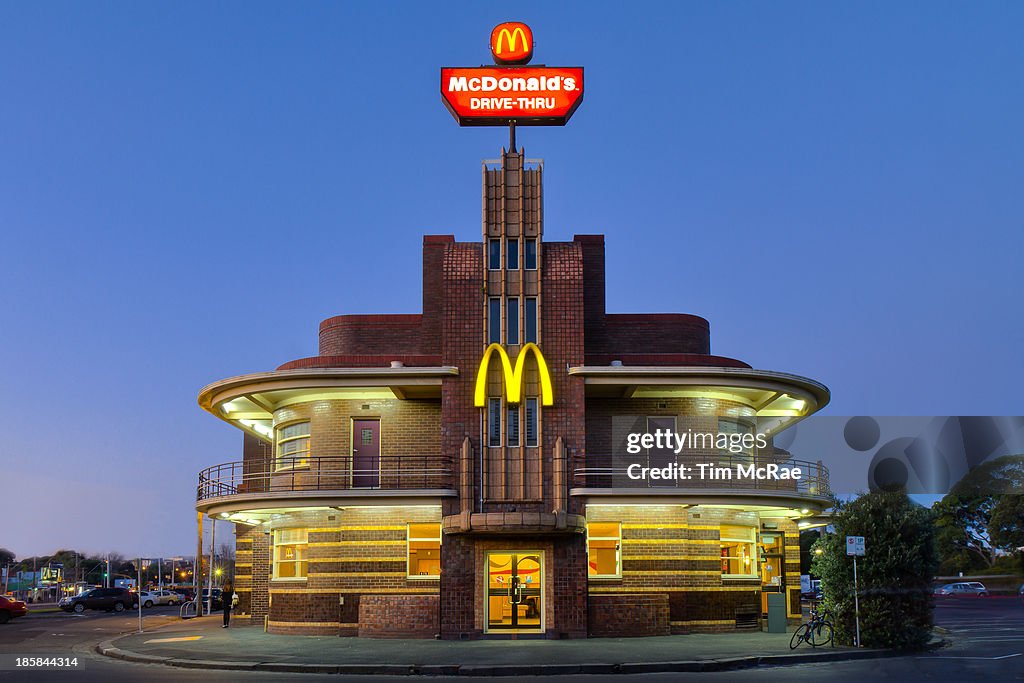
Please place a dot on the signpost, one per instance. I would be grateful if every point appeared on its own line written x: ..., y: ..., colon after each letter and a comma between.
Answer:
x: 855, y: 547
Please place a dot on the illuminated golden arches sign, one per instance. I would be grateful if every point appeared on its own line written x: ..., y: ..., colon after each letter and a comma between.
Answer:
x: 512, y: 43
x: 513, y: 377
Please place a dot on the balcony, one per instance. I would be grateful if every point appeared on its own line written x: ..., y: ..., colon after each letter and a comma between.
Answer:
x: 313, y: 481
x: 606, y: 476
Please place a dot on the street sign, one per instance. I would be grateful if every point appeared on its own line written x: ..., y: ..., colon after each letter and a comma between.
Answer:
x: 855, y: 545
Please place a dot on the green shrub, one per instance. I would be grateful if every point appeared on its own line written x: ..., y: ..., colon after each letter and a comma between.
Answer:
x: 894, y: 577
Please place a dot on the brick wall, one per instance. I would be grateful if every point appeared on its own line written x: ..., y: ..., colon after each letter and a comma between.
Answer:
x: 674, y: 550
x: 399, y: 616
x: 368, y: 334
x: 624, y: 616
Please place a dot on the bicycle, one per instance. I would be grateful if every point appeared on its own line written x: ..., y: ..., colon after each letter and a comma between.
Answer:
x: 816, y: 632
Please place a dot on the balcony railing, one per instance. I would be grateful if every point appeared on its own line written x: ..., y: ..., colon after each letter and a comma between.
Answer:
x: 611, y: 472
x: 316, y: 473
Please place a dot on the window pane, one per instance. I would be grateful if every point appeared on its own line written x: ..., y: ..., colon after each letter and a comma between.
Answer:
x: 603, y: 529
x: 737, y: 558
x: 512, y: 426
x: 530, y: 320
x: 531, y: 422
x: 421, y: 531
x: 530, y: 254
x: 603, y: 558
x: 494, y: 322
x: 512, y: 312
x: 292, y: 431
x: 494, y: 254
x: 494, y: 422
x: 512, y: 255
x: 737, y: 533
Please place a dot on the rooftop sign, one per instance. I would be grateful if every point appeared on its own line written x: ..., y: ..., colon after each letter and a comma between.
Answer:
x: 512, y: 93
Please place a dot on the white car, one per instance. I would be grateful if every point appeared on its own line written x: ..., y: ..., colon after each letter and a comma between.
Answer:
x: 166, y: 597
x: 151, y: 598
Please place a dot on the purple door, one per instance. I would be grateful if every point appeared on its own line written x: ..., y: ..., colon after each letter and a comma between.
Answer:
x: 365, y: 454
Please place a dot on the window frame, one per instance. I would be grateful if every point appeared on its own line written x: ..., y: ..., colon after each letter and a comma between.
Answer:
x: 755, y: 554
x: 409, y: 539
x: 526, y: 253
x: 494, y: 330
x: 527, y: 318
x: 512, y: 252
x: 491, y: 243
x: 527, y: 409
x: 512, y: 320
x: 275, y: 562
x: 494, y: 436
x: 299, y: 461
x: 618, y: 551
x: 513, y: 412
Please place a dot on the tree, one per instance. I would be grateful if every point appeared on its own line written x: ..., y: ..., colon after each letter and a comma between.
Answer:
x: 967, y: 533
x: 894, y: 577
x: 6, y: 557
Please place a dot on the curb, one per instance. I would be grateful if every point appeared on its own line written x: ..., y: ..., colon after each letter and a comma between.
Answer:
x: 108, y: 649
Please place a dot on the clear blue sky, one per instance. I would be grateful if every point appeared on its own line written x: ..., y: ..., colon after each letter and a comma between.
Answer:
x: 187, y: 189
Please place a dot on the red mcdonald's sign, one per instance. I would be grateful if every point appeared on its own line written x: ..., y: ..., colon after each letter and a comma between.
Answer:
x: 498, y: 96
x: 512, y: 93
x: 512, y: 43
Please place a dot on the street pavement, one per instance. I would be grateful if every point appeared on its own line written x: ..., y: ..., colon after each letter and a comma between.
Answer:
x: 987, y: 638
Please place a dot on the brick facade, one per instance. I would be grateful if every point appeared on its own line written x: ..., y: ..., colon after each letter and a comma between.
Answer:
x: 511, y: 498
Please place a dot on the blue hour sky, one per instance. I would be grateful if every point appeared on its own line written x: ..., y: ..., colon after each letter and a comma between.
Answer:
x: 187, y: 189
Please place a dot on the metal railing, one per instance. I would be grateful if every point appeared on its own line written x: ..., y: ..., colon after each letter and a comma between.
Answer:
x: 324, y: 473
x: 719, y: 474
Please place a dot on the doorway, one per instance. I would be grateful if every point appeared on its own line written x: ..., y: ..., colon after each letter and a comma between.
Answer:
x: 515, y: 592
x: 365, y: 454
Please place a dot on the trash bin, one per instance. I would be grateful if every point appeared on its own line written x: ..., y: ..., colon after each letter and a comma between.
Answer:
x: 776, y: 613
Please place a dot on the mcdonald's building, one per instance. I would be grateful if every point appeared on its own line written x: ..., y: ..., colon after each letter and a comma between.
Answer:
x: 451, y: 472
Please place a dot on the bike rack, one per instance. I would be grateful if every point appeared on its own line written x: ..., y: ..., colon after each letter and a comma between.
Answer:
x: 188, y: 609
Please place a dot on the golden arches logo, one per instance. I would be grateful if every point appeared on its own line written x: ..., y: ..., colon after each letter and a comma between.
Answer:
x: 513, y: 377
x: 512, y: 43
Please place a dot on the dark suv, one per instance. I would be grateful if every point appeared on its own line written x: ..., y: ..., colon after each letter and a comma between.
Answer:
x: 109, y: 599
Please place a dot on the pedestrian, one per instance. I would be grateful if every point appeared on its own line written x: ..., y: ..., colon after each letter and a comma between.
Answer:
x: 227, y: 594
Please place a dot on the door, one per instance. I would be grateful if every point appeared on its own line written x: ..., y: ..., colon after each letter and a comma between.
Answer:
x: 515, y: 592
x: 365, y: 454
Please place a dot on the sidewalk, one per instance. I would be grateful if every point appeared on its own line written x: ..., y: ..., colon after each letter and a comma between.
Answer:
x: 202, y: 643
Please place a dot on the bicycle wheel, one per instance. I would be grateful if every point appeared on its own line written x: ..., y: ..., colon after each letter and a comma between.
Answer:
x: 800, y: 634
x: 820, y: 634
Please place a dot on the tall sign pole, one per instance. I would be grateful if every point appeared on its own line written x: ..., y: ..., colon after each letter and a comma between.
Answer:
x: 855, y: 547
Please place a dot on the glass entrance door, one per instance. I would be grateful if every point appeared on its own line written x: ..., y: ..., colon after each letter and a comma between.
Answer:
x: 514, y: 592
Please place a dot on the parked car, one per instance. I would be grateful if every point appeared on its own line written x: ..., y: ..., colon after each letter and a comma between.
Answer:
x: 167, y: 597
x: 109, y: 599
x: 149, y: 598
x: 216, y: 598
x: 1020, y: 592
x: 11, y: 608
x: 972, y: 588
x: 184, y: 594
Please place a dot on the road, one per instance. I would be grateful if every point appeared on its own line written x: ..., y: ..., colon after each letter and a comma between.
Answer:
x: 987, y: 635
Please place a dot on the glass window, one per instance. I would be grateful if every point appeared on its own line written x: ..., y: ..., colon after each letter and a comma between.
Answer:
x: 290, y: 553
x: 494, y: 321
x: 424, y: 541
x: 494, y: 254
x: 772, y: 558
x: 512, y: 425
x: 292, y: 446
x: 603, y: 556
x: 512, y: 254
x: 512, y: 313
x: 530, y: 254
x: 738, y: 550
x: 530, y: 320
x: 531, y: 422
x: 494, y: 422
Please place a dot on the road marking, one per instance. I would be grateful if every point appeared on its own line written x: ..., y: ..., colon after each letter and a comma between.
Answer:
x: 1015, y: 654
x: 172, y: 640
